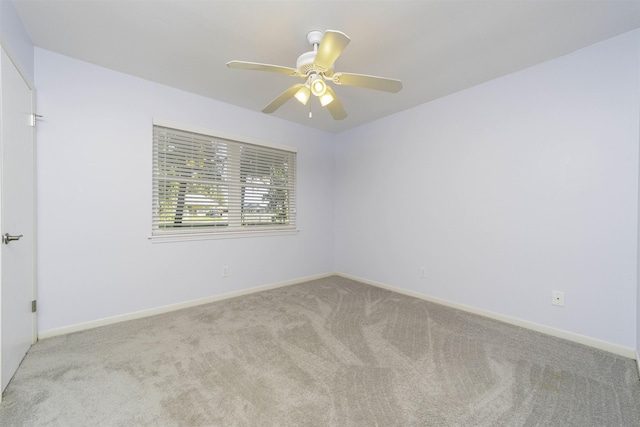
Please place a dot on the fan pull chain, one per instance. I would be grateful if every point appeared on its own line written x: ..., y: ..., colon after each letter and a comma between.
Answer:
x: 310, y: 114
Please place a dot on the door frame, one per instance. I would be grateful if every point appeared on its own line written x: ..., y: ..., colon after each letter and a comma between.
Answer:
x: 30, y: 85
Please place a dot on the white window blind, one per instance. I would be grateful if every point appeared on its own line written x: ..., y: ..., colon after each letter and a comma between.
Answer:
x: 203, y: 185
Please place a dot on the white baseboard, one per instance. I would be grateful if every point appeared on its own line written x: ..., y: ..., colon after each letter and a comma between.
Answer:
x: 582, y: 339
x: 172, y: 307
x: 620, y: 350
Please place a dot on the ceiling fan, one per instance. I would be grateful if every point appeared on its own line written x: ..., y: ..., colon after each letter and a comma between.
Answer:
x: 316, y: 68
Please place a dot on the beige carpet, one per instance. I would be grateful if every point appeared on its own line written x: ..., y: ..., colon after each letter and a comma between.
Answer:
x: 330, y: 352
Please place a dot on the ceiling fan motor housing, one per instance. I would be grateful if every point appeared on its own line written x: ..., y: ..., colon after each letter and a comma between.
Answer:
x: 305, y: 63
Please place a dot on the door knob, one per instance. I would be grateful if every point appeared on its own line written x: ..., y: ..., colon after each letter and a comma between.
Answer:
x: 6, y: 238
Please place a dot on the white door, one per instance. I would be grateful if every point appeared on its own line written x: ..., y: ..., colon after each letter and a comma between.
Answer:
x: 17, y: 218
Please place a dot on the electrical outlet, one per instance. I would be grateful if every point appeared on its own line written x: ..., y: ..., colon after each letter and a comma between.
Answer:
x: 423, y: 273
x: 225, y: 271
x: 557, y: 298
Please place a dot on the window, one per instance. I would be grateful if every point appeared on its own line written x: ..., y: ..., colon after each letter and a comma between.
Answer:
x: 205, y: 185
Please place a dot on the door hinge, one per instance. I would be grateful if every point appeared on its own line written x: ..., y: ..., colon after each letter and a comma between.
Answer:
x: 34, y: 117
x: 33, y: 306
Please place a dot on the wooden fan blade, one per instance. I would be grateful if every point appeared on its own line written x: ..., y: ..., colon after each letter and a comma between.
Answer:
x: 332, y: 45
x: 335, y: 107
x: 369, y: 82
x: 243, y: 65
x: 282, y: 98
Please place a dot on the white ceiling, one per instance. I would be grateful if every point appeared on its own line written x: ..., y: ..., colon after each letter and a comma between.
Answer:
x: 434, y: 47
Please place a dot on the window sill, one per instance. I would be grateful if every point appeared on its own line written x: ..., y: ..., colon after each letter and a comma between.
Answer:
x: 186, y: 237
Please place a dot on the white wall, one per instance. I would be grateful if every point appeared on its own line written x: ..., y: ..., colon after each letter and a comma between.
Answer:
x: 505, y: 192
x: 638, y: 263
x: 94, y: 203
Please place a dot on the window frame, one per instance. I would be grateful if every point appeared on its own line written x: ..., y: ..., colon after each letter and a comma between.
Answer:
x: 159, y: 234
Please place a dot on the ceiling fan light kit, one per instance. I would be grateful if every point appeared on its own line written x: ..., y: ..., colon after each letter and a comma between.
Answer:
x: 325, y: 99
x: 316, y: 68
x: 303, y: 94
x: 318, y: 86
